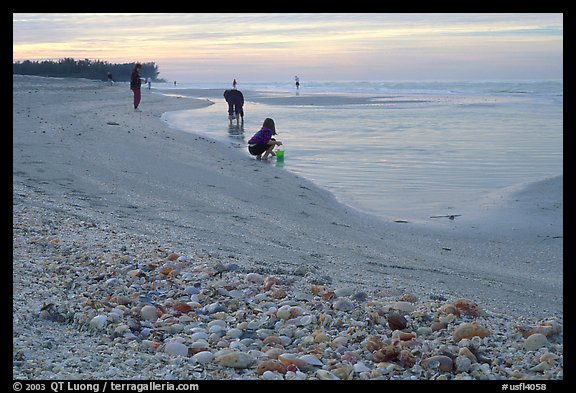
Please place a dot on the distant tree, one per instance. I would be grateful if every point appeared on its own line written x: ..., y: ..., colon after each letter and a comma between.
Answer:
x: 87, y: 68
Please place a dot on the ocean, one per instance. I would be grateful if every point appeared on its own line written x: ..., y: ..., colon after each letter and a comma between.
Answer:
x: 398, y: 150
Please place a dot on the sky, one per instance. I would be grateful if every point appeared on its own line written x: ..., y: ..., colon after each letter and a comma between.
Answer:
x: 266, y: 47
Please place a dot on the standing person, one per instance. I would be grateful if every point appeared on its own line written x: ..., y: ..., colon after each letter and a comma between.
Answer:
x: 234, y: 83
x: 135, y: 85
x: 110, y: 80
x: 235, y: 100
x: 297, y: 80
x: 262, y: 141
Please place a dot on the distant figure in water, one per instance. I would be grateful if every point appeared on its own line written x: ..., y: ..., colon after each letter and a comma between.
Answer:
x: 297, y: 80
x: 110, y: 80
x: 234, y: 83
x: 262, y: 141
x: 235, y: 100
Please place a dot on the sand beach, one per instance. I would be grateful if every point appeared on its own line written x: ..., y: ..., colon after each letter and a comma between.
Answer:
x: 114, y: 211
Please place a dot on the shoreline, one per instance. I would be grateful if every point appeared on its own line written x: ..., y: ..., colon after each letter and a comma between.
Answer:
x: 87, y: 161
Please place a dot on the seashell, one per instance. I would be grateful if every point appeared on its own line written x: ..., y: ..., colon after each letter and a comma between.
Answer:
x: 423, y: 331
x: 386, y: 353
x: 328, y: 295
x: 350, y: 357
x: 321, y: 337
x: 177, y: 349
x: 268, y: 282
x: 406, y: 336
x: 447, y: 319
x: 547, y: 328
x: 304, y: 363
x: 549, y: 358
x: 235, y: 360
x: 311, y: 360
x: 343, y: 372
x: 291, y: 358
x: 443, y: 363
x: 173, y: 257
x: 270, y: 365
x: 448, y: 309
x: 343, y: 305
x: 283, y: 312
x: 464, y: 351
x: 403, y: 306
x: 296, y: 312
x: 198, y: 346
x: 271, y: 376
x: 307, y: 320
x: 469, y: 330
x: 535, y: 341
x: 326, y: 375
x: 409, y: 298
x: 463, y: 364
x: 396, y: 321
x: 50, y: 312
x: 279, y: 293
x: 437, y: 326
x: 166, y: 270
x: 325, y: 319
x: 339, y: 341
x: 361, y: 367
x: 135, y: 273
x: 317, y: 290
x: 150, y: 344
x: 255, y: 278
x: 542, y: 366
x: 373, y: 344
x: 204, y: 357
x: 468, y: 307
x: 98, y: 322
x: 406, y: 358
x: 272, y: 340
x: 343, y: 292
x: 182, y: 307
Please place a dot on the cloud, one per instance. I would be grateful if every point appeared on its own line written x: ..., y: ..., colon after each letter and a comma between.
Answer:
x: 332, y: 42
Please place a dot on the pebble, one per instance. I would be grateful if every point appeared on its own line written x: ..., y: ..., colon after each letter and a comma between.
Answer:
x: 185, y: 314
x: 175, y: 348
x: 343, y: 305
x: 98, y: 322
x: 203, y: 357
x: 149, y: 313
x: 234, y: 359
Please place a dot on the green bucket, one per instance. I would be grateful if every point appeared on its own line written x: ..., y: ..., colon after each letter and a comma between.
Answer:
x: 280, y: 155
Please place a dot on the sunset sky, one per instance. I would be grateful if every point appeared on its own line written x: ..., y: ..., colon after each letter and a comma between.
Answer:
x: 321, y: 47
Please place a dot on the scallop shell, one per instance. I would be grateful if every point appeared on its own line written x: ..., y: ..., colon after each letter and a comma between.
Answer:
x: 326, y: 375
x: 469, y: 330
x: 443, y: 363
x: 396, y: 321
x: 270, y: 365
x: 468, y: 307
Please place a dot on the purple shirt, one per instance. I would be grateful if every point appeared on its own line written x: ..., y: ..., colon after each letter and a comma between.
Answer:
x: 261, y: 137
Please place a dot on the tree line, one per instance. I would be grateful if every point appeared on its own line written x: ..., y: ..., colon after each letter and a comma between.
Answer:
x: 87, y: 68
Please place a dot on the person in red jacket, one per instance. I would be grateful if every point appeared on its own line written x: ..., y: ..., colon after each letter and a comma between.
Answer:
x: 135, y: 84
